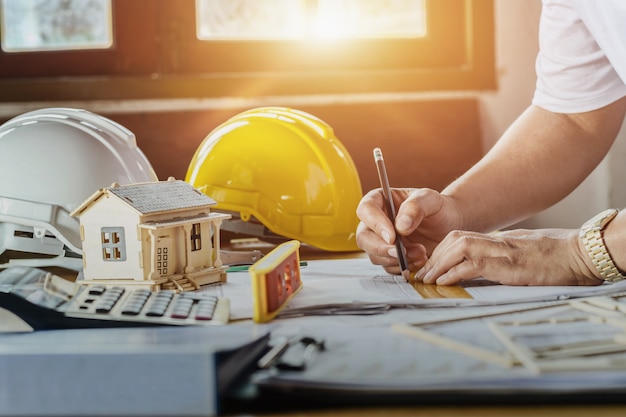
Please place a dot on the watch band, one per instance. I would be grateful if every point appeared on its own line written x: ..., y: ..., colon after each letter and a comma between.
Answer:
x: 591, y: 235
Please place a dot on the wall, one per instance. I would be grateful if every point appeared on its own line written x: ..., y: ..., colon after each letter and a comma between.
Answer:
x: 427, y: 142
x: 516, y: 48
x: 420, y: 139
x: 429, y: 138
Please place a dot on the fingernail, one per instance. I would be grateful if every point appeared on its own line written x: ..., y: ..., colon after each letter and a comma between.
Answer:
x: 386, y: 236
x: 392, y: 252
x: 419, y: 275
x: 403, y: 222
x: 428, y: 277
x: 442, y: 280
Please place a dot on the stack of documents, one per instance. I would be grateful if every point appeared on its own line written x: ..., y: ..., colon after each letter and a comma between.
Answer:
x: 559, y: 349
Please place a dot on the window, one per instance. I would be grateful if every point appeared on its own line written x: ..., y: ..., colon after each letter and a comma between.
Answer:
x: 196, y: 237
x: 302, y: 19
x: 156, y: 51
x: 48, y: 25
x: 113, y: 244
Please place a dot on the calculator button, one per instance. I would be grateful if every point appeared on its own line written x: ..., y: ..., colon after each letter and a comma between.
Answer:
x: 115, y: 290
x: 207, y: 304
x: 97, y: 290
x: 104, y: 308
x: 135, y: 302
x: 205, y: 314
x: 106, y: 301
x: 138, y: 298
x: 181, y: 308
x: 156, y: 309
x: 205, y: 308
x: 159, y: 303
x: 132, y: 310
x: 164, y: 295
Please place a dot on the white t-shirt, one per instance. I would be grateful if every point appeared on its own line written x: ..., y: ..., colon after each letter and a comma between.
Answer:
x: 581, y: 65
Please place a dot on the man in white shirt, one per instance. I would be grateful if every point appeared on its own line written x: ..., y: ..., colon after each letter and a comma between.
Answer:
x: 576, y: 113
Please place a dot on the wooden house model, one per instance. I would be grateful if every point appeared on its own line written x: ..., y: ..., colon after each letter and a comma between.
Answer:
x: 158, y: 234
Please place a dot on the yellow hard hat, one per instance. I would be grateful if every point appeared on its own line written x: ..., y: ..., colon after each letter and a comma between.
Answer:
x: 285, y: 169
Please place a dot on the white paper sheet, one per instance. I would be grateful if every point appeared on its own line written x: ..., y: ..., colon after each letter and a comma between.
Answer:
x: 355, y: 286
x: 374, y: 359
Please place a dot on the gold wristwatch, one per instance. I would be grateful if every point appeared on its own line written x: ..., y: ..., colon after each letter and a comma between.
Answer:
x: 591, y: 235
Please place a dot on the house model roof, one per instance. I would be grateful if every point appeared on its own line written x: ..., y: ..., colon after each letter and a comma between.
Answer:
x: 152, y: 197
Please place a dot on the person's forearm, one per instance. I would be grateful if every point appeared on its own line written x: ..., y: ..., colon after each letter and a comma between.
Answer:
x: 541, y: 158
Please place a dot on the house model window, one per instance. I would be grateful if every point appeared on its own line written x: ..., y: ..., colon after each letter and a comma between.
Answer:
x: 196, y: 237
x: 113, y: 244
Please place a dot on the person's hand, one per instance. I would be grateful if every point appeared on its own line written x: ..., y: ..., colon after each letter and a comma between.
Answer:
x: 516, y: 257
x: 423, y: 218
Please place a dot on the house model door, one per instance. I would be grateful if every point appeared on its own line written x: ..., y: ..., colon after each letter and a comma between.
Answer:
x: 165, y: 256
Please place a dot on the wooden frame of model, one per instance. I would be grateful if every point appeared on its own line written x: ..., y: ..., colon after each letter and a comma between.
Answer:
x: 159, y: 234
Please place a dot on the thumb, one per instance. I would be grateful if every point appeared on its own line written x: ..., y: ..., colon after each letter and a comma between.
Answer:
x: 420, y: 203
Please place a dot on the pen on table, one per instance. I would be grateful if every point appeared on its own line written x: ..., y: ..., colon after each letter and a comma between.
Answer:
x: 391, y: 211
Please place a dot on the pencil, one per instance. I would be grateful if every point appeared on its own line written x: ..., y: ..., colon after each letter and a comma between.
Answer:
x: 391, y: 211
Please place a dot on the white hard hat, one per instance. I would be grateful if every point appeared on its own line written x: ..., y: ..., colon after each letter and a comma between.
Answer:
x: 51, y: 160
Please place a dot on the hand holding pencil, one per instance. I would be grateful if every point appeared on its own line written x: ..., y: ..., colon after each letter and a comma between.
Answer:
x: 422, y: 216
x: 391, y: 211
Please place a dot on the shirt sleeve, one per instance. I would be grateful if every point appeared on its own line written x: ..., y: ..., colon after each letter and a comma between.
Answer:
x: 573, y: 73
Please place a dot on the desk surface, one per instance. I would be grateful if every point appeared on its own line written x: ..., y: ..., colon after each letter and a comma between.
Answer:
x: 469, y: 411
x: 8, y: 322
x: 466, y: 411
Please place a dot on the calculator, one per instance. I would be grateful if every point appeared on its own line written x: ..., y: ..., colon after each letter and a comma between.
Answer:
x: 47, y: 301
